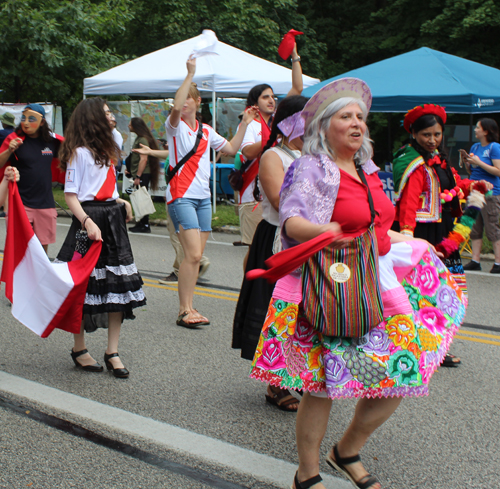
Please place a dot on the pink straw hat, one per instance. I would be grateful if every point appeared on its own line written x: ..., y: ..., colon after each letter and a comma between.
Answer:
x: 343, y: 87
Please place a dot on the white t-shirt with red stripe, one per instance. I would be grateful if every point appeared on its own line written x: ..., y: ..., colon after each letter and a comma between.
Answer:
x: 88, y: 180
x: 192, y: 180
x: 252, y: 135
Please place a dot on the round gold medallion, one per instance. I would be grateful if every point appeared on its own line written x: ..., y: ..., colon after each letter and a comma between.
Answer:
x: 339, y: 272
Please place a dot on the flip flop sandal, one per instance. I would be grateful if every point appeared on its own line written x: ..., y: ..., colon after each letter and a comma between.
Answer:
x: 204, y: 322
x: 339, y: 464
x: 282, y: 400
x: 306, y: 484
x: 450, y: 361
x: 180, y: 322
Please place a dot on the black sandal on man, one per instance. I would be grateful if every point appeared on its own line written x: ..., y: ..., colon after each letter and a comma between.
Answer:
x: 338, y: 463
x: 306, y: 484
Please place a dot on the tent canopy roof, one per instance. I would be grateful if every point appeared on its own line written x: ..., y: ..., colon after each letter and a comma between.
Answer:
x: 232, y: 73
x: 427, y: 76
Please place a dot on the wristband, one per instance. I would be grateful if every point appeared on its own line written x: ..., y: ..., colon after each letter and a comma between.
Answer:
x: 406, y: 232
x: 84, y: 220
x: 296, y: 60
x: 138, y: 176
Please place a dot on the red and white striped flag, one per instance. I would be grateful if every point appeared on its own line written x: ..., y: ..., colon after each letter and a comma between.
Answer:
x: 44, y: 295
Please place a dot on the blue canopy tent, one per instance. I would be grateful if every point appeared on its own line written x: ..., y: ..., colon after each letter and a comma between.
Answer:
x: 427, y: 76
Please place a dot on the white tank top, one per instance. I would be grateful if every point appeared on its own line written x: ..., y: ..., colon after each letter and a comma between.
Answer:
x: 269, y: 213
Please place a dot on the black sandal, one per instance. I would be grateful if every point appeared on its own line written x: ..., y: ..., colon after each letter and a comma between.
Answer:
x: 88, y: 368
x: 450, y: 361
x: 339, y: 464
x: 306, y: 484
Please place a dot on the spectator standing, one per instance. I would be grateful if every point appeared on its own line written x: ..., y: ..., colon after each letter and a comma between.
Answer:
x: 144, y: 169
x: 8, y: 123
x: 483, y: 162
x: 30, y: 148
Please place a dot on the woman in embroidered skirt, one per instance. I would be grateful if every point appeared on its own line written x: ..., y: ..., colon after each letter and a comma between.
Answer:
x: 115, y: 286
x: 255, y: 294
x: 428, y: 188
x: 423, y: 306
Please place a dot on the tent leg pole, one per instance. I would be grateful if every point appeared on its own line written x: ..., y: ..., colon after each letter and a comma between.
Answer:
x: 214, y: 170
x: 470, y: 130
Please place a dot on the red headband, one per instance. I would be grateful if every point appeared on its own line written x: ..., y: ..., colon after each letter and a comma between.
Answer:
x: 420, y: 110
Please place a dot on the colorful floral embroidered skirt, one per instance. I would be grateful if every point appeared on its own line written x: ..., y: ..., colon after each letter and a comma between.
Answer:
x: 397, y: 358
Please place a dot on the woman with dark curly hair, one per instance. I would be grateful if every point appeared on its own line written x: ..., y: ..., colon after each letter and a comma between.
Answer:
x: 115, y: 286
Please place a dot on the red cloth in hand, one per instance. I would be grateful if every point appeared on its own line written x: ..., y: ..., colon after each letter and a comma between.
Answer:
x: 285, y: 48
x: 287, y: 261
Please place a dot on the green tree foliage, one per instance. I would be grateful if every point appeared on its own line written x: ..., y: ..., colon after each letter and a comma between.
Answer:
x: 253, y: 26
x: 47, y: 47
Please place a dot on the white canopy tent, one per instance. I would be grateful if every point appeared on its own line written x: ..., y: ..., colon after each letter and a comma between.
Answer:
x: 159, y: 74
x: 230, y: 73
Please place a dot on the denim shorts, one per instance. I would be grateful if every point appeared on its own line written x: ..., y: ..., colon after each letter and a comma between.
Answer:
x: 191, y: 214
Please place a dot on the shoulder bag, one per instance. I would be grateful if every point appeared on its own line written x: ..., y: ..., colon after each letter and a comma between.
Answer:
x: 340, y: 288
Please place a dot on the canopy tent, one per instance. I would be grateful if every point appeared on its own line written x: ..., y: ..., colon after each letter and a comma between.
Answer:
x: 426, y: 76
x: 231, y: 73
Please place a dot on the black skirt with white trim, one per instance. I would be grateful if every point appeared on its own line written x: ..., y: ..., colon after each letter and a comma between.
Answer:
x: 115, y: 284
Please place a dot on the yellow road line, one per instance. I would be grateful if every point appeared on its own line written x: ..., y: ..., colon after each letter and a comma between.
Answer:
x: 477, y: 340
x: 497, y: 337
x: 205, y: 289
x: 214, y: 296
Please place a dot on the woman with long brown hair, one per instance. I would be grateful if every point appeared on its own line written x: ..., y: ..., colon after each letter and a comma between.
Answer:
x: 144, y: 169
x: 115, y: 286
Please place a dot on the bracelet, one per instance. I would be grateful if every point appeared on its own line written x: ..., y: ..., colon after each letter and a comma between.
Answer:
x: 84, y: 220
x: 406, y: 232
x: 296, y: 60
x: 138, y: 176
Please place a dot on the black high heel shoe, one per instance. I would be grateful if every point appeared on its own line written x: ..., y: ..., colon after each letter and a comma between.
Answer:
x: 88, y: 368
x: 121, y: 373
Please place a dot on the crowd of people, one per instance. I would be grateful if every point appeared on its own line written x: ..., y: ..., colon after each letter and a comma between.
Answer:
x: 308, y: 164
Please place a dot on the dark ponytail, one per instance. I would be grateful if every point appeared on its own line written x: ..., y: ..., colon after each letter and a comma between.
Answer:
x: 287, y: 107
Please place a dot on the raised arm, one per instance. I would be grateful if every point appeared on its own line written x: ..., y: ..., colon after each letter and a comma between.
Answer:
x: 183, y: 92
x: 297, y: 82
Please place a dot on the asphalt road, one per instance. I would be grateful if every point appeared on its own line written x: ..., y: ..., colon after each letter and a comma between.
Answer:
x: 193, y: 380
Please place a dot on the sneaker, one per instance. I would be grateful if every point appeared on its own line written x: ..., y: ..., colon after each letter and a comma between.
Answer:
x: 495, y: 268
x: 203, y: 268
x: 169, y: 279
x: 472, y: 265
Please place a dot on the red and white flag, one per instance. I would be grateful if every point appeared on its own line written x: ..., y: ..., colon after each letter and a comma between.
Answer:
x: 44, y: 295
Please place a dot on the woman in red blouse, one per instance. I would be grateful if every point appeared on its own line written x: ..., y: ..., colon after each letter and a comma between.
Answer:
x: 421, y: 174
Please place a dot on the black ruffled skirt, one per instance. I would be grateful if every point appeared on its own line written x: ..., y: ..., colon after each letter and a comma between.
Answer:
x: 255, y: 295
x: 115, y: 284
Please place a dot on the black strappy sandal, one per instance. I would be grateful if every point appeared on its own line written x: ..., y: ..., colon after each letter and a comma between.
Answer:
x: 339, y: 464
x: 306, y: 484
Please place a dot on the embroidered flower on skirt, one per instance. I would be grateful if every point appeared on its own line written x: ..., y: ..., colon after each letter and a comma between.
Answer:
x: 397, y: 358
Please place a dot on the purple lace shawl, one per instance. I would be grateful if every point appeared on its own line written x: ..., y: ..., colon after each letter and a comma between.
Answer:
x: 310, y: 190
